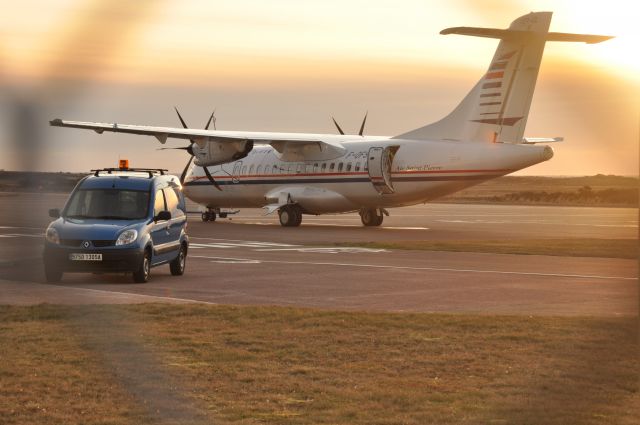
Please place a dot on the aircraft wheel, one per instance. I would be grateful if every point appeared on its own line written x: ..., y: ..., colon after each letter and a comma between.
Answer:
x: 208, y: 216
x: 290, y: 216
x: 371, y: 217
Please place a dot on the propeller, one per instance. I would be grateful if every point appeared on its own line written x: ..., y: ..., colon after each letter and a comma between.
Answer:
x: 212, y: 119
x: 360, y: 133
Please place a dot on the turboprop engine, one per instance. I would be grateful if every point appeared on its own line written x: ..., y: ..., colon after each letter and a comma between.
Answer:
x: 216, y: 153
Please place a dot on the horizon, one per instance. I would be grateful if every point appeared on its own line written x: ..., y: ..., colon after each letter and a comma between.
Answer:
x: 289, y: 67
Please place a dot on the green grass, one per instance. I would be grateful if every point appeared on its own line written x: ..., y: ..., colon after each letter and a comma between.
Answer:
x: 272, y: 365
x: 575, y: 247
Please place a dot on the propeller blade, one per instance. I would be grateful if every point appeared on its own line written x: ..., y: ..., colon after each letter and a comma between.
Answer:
x: 184, y: 172
x: 212, y: 118
x: 363, y: 123
x: 185, y: 148
x: 210, y: 177
x: 337, y: 126
x: 184, y: 124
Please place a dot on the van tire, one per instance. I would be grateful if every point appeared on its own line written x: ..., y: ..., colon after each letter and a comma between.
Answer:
x: 141, y: 274
x: 178, y: 265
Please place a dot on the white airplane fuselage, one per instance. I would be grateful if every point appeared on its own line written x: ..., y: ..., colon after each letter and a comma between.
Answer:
x: 418, y: 172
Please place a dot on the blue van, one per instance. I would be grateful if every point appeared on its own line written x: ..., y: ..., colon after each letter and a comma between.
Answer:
x: 119, y: 220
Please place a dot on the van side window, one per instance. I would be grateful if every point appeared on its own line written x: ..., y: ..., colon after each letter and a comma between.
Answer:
x: 159, y: 205
x: 324, y: 167
x: 332, y: 166
x: 181, y: 202
x: 357, y: 166
x: 340, y: 167
x: 349, y: 166
x: 172, y: 201
x: 274, y: 169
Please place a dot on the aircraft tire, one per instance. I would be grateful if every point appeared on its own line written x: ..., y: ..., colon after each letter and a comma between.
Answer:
x: 371, y: 217
x: 290, y: 216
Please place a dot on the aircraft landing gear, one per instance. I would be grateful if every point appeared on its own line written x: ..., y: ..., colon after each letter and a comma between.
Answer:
x: 371, y: 216
x: 290, y: 215
x: 208, y: 215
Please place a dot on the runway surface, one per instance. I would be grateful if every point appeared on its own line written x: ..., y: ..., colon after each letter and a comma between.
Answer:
x: 250, y: 259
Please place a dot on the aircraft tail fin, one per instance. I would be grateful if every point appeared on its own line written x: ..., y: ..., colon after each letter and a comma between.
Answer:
x: 496, y: 109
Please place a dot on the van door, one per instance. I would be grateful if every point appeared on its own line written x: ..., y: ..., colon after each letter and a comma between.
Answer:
x: 379, y: 163
x: 159, y: 230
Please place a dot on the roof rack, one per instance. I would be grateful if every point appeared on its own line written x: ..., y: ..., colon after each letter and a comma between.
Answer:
x: 151, y: 171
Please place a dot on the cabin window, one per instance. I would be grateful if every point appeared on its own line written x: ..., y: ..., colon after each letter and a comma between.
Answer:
x: 340, y: 167
x: 324, y: 167
x: 348, y: 166
x: 259, y: 170
x: 251, y: 170
x: 357, y: 166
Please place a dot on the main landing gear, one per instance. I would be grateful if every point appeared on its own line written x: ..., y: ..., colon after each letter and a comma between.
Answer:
x: 290, y: 215
x: 212, y: 214
x: 371, y: 216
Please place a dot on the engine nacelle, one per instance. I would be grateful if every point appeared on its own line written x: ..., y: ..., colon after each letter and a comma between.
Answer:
x: 216, y: 153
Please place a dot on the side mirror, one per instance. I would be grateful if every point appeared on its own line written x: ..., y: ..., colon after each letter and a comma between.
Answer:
x: 163, y: 216
x: 54, y: 213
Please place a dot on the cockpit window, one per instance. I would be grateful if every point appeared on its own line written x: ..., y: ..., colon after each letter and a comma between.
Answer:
x: 108, y: 204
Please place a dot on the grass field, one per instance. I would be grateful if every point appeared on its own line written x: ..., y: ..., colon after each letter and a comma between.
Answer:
x: 575, y: 247
x: 267, y: 365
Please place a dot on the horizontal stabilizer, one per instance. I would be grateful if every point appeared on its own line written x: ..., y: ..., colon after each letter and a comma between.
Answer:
x: 519, y: 34
x: 534, y: 140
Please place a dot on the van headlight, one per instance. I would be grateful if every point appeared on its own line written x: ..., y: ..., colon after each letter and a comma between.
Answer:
x: 127, y: 237
x: 52, y: 236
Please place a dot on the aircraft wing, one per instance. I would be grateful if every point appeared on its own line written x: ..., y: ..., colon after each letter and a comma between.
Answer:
x: 282, y: 142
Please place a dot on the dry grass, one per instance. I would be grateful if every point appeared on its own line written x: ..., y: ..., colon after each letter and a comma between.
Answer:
x: 574, y: 247
x: 255, y: 365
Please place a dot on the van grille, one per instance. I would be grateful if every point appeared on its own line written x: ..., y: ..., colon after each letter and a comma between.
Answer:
x: 76, y: 243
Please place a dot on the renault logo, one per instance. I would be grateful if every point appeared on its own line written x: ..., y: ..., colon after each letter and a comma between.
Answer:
x: 86, y: 244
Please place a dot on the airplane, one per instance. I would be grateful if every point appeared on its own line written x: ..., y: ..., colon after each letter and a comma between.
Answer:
x: 299, y: 173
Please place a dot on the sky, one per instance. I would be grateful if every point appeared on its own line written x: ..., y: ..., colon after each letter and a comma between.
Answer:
x: 284, y: 65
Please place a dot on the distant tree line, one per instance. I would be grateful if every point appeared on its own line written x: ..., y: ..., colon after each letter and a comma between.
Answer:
x: 583, y: 196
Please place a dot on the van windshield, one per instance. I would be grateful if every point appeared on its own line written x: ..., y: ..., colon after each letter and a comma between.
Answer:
x: 108, y: 204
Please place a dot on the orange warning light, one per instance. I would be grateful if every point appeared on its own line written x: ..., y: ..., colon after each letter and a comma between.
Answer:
x: 124, y: 164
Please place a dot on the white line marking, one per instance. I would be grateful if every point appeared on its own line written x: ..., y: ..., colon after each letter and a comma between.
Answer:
x: 443, y: 269
x: 326, y: 250
x: 129, y: 293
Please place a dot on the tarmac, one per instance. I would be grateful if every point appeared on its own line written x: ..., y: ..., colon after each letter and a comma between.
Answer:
x: 251, y: 260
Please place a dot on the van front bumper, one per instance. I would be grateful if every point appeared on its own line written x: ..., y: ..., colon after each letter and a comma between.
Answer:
x: 113, y: 259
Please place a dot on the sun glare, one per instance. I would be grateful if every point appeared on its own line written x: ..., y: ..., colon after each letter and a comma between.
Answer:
x: 617, y: 19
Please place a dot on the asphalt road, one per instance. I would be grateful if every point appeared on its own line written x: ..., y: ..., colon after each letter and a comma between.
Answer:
x: 250, y: 259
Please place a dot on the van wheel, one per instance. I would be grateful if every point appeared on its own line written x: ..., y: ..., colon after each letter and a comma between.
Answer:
x: 177, y: 266
x: 52, y: 274
x: 141, y: 275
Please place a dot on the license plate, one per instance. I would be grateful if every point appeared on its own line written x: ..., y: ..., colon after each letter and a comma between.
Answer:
x: 85, y: 257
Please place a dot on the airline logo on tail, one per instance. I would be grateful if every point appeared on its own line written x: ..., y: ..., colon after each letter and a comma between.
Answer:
x: 491, y: 93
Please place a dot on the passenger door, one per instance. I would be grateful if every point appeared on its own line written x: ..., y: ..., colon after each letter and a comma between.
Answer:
x: 379, y: 162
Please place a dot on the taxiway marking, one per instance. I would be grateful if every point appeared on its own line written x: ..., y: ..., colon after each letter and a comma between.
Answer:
x: 443, y: 269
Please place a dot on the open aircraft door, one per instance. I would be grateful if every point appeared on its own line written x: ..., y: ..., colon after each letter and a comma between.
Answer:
x: 379, y: 163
